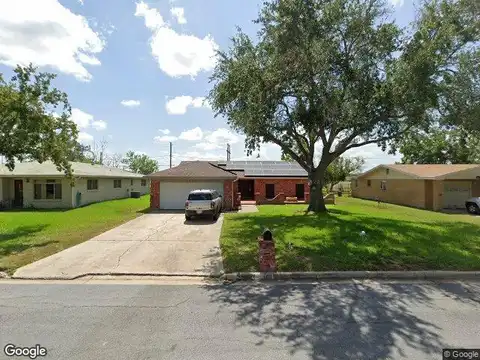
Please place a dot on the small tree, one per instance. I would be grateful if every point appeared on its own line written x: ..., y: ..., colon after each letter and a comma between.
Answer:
x: 338, y: 73
x: 30, y: 127
x: 341, y: 169
x: 141, y: 164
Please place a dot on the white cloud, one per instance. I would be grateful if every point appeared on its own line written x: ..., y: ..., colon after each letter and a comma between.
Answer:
x: 192, y: 134
x: 160, y: 139
x: 85, y: 138
x: 177, y: 54
x: 47, y: 34
x: 207, y: 146
x: 164, y: 131
x: 81, y: 118
x: 179, y: 104
x: 99, y: 125
x: 222, y: 136
x: 85, y: 120
x: 179, y: 14
x: 397, y: 2
x: 130, y: 103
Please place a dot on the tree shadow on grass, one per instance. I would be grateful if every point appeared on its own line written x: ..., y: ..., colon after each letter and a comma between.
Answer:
x: 9, y: 243
x: 21, y: 231
x: 334, y: 241
x: 361, y: 321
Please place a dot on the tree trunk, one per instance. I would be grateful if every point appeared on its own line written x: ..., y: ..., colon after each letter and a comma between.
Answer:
x: 317, y: 203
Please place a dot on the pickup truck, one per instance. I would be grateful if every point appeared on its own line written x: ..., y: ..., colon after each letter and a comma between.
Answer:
x: 203, y: 203
x: 473, y: 205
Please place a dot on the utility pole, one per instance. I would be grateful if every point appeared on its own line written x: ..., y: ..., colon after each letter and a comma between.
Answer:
x: 170, y: 155
x: 228, y: 152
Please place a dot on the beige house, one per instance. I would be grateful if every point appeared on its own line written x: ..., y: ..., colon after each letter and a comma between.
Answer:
x: 432, y: 187
x: 32, y: 184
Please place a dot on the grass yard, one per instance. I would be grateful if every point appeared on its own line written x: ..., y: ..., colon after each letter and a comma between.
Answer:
x: 29, y: 235
x: 396, y: 238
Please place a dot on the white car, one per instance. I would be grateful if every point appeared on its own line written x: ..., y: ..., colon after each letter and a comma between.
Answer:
x: 204, y: 202
x: 473, y: 205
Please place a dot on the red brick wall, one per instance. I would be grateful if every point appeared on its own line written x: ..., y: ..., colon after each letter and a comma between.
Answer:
x: 155, y: 194
x: 227, y: 194
x: 284, y: 186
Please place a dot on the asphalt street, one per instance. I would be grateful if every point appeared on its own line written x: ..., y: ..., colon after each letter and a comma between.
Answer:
x: 352, y: 320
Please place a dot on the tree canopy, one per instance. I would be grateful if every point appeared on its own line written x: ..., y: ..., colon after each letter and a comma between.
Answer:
x: 140, y: 163
x: 341, y: 74
x: 35, y: 120
x: 441, y: 146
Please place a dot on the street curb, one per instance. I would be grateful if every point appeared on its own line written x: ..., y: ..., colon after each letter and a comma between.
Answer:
x: 210, y: 276
x: 285, y: 276
x: 348, y: 275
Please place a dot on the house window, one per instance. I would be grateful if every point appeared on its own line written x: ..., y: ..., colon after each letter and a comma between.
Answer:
x: 270, y: 191
x: 92, y: 184
x: 369, y: 183
x: 387, y: 171
x: 383, y: 185
x: 117, y: 184
x: 144, y: 182
x: 53, y: 191
x: 49, y: 191
x: 131, y: 182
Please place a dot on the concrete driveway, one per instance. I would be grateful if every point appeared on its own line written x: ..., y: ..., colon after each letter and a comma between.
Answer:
x: 155, y: 244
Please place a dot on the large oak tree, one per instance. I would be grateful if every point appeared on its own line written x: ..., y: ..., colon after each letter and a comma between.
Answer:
x: 342, y: 74
x: 35, y: 120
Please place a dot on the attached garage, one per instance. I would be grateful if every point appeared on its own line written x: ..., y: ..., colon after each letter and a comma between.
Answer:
x: 169, y: 188
x: 173, y: 194
x: 456, y: 193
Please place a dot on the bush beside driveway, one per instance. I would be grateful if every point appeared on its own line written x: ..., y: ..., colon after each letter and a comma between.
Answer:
x: 29, y: 235
x: 395, y: 238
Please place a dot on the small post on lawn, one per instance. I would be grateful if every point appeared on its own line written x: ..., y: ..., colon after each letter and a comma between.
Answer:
x: 266, y: 252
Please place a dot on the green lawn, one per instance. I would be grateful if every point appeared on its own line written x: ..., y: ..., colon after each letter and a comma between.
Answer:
x: 29, y: 235
x: 397, y: 238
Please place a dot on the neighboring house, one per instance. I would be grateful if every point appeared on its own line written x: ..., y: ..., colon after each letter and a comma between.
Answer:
x: 43, y: 186
x: 432, y: 187
x: 259, y: 181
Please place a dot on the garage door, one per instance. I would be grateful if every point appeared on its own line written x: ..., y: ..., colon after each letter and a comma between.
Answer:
x: 455, y: 194
x: 174, y: 194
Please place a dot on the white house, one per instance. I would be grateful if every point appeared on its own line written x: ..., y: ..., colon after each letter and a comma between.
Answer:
x: 32, y: 184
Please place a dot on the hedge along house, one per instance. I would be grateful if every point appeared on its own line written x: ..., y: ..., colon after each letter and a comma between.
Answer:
x: 259, y: 181
x: 32, y: 184
x: 429, y: 186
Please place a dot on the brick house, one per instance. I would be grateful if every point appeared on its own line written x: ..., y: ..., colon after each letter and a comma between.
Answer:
x: 264, y: 182
x: 429, y: 186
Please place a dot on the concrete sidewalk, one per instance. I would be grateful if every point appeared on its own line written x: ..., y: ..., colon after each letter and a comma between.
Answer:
x: 153, y: 244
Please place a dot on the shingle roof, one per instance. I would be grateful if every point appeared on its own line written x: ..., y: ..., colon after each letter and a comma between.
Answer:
x: 432, y: 170
x: 426, y: 171
x: 194, y: 169
x: 47, y: 168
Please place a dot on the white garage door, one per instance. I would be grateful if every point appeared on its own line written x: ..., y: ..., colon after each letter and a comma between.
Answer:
x: 174, y: 194
x: 455, y: 194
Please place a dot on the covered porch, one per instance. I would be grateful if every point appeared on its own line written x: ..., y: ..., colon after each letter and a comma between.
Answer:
x: 11, y: 193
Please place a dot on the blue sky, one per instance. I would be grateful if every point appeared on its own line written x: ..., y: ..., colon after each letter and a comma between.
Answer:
x: 136, y: 72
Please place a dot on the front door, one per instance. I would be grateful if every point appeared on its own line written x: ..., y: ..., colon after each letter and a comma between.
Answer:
x: 245, y: 187
x: 300, y: 191
x: 18, y: 192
